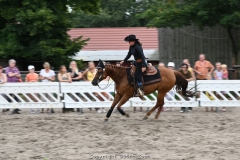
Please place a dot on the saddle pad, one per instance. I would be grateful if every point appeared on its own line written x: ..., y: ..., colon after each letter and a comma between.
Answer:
x: 148, y: 79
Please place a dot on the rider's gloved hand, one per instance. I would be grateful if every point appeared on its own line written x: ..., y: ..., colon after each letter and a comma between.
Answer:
x: 121, y: 62
x: 143, y: 69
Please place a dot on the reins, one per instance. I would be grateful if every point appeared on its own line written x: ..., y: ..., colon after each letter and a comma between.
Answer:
x: 109, y: 84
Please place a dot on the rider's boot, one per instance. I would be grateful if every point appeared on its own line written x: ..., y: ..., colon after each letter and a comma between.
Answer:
x: 140, y: 90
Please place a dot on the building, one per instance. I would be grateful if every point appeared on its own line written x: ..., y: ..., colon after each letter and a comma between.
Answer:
x: 108, y: 43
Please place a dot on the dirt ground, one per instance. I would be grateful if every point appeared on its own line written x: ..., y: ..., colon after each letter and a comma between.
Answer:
x: 175, y: 136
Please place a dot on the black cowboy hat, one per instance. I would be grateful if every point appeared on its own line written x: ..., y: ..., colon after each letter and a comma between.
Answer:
x: 131, y: 37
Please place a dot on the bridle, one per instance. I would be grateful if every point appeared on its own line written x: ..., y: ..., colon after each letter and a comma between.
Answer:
x: 101, y: 74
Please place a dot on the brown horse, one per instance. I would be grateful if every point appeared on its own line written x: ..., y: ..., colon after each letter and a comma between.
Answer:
x: 124, y: 90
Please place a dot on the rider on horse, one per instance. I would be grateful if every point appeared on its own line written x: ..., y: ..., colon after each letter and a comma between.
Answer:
x: 140, y: 60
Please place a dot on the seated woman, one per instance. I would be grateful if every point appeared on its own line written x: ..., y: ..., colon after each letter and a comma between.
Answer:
x: 188, y: 76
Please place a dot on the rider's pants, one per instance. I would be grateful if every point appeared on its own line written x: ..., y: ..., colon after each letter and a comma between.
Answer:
x: 138, y: 74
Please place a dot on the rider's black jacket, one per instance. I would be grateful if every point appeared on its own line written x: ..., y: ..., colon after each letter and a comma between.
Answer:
x: 137, y: 51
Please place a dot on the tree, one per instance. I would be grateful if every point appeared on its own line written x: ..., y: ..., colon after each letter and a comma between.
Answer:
x: 114, y: 13
x: 201, y: 13
x: 37, y: 30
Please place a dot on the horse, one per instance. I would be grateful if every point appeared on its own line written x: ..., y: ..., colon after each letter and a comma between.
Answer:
x: 124, y: 91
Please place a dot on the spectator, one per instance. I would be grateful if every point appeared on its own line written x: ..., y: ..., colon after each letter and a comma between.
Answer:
x: 224, y: 77
x: 204, y: 69
x: 75, y: 73
x: 63, y: 76
x: 185, y: 72
x: 90, y: 73
x: 13, y: 75
x: 32, y: 77
x: 186, y: 61
x: 47, y: 75
x: 188, y: 76
x: 76, y: 76
x: 224, y: 72
x: 3, y: 79
x: 170, y: 66
x: 218, y: 75
x: 161, y: 65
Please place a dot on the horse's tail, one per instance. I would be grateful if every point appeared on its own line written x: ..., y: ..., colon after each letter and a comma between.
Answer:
x: 182, y: 84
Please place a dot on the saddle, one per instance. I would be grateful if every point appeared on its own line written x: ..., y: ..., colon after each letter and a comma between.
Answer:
x: 150, y: 70
x: 151, y: 75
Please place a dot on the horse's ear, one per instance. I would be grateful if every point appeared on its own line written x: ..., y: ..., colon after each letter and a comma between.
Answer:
x: 101, y: 64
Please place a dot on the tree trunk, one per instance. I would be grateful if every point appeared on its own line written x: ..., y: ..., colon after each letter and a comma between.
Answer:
x: 234, y: 48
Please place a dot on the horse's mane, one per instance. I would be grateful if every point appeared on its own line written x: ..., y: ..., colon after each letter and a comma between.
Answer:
x: 120, y: 70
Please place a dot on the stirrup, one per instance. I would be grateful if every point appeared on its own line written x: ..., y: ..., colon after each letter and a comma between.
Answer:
x: 141, y: 93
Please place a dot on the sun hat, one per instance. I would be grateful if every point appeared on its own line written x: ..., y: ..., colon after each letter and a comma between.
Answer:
x: 31, y: 67
x: 171, y: 64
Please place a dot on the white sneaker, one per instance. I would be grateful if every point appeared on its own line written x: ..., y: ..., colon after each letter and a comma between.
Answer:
x: 181, y: 111
x: 103, y: 110
x: 99, y: 111
x: 189, y: 110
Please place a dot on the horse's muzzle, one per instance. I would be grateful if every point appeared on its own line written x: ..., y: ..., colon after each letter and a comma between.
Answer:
x: 94, y: 83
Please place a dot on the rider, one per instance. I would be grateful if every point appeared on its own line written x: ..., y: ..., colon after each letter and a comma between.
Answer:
x: 140, y: 60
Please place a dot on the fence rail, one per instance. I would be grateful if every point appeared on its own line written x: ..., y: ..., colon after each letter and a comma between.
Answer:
x: 215, y: 93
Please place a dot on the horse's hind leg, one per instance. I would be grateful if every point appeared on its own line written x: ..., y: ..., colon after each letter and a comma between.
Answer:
x: 160, y: 102
x: 123, y: 100
x: 115, y: 102
x: 159, y: 109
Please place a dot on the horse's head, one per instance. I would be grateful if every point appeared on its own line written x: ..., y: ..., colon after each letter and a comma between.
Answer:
x: 101, y: 74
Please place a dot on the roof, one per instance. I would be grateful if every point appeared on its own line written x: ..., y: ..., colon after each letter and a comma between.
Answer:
x: 112, y: 38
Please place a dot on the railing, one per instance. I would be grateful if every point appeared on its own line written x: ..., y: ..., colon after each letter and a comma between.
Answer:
x: 215, y: 93
x: 30, y: 95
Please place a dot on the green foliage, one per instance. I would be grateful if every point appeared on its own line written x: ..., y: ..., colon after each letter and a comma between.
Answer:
x: 113, y: 13
x: 37, y: 30
x: 176, y: 13
x: 201, y: 13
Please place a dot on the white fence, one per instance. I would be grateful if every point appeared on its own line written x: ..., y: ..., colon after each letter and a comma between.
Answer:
x: 30, y: 95
x: 220, y: 93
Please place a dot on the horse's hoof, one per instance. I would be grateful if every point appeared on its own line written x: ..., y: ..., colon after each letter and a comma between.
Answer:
x: 127, y: 115
x: 106, y: 119
x: 145, y: 118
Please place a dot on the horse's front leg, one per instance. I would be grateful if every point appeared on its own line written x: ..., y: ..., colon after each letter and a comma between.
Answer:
x: 123, y: 100
x: 115, y: 102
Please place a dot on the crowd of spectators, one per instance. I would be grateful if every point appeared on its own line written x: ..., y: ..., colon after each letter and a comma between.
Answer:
x: 73, y: 74
x: 202, y: 70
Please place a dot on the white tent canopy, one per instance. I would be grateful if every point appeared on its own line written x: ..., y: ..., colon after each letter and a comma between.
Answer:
x: 113, y: 55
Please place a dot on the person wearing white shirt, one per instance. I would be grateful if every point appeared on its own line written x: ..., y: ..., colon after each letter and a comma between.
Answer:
x: 47, y: 75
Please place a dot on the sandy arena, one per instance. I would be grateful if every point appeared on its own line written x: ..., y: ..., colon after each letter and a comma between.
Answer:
x: 175, y: 136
